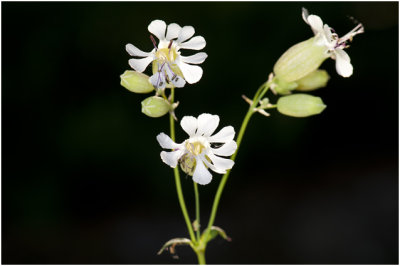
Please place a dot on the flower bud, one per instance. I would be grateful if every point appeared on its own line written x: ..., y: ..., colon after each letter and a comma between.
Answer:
x: 282, y: 87
x: 136, y: 82
x: 264, y: 103
x: 300, y: 105
x: 300, y: 60
x: 315, y: 80
x: 155, y: 106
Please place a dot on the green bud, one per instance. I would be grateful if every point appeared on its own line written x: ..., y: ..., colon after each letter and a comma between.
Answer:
x: 282, y: 87
x: 155, y: 106
x: 300, y: 60
x: 136, y: 82
x: 315, y: 80
x: 264, y: 103
x: 300, y: 105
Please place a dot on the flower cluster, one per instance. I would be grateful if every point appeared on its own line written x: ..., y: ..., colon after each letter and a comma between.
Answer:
x: 297, y: 69
x: 201, y: 148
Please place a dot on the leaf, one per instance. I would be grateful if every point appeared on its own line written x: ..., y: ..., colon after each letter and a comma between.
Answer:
x: 171, y: 244
x: 215, y: 231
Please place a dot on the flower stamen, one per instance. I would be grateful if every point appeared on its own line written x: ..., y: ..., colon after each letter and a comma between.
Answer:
x: 349, y: 36
x: 153, y: 41
x: 160, y: 72
x: 195, y: 148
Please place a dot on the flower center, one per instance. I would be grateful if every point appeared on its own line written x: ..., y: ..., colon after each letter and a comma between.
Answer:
x: 195, y: 148
x: 166, y: 55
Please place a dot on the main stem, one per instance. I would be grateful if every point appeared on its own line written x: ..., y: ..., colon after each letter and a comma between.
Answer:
x: 178, y: 178
x: 201, y: 257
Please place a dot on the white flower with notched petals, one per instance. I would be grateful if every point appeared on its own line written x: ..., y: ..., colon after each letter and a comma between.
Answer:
x: 326, y: 36
x: 201, y: 147
x: 171, y: 66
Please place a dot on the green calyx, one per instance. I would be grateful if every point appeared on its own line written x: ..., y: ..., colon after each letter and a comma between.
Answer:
x: 300, y: 60
x: 315, y: 80
x: 283, y: 87
x: 136, y: 82
x: 300, y: 105
x: 155, y: 106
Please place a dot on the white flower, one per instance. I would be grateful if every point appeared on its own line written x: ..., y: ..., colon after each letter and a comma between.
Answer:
x: 201, y: 147
x: 171, y: 65
x: 326, y: 36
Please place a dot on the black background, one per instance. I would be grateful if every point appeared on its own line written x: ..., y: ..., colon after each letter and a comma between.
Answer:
x: 82, y: 180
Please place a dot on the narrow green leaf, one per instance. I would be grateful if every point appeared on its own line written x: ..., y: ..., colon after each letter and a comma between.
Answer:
x: 215, y: 231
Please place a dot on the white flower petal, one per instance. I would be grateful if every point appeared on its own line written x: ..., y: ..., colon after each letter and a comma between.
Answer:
x: 194, y: 59
x: 196, y: 43
x: 173, y: 31
x: 140, y: 64
x: 157, y: 27
x: 212, y: 167
x: 219, y: 163
x: 192, y: 74
x: 328, y: 32
x: 158, y: 80
x: 316, y: 23
x: 178, y: 81
x: 206, y: 124
x: 166, y: 142
x: 185, y: 33
x: 343, y: 65
x: 189, y: 125
x: 227, y: 149
x: 171, y: 158
x: 304, y: 14
x: 134, y: 51
x: 226, y: 134
x: 201, y: 175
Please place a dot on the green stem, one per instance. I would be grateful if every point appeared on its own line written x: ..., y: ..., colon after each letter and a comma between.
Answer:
x: 178, y: 179
x: 201, y: 257
x: 260, y: 93
x: 225, y: 177
x: 197, y: 199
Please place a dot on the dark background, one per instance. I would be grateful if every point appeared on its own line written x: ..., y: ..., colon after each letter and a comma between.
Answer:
x: 82, y: 180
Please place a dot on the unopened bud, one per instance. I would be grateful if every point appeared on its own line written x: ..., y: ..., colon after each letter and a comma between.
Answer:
x: 315, y: 80
x: 300, y: 60
x: 155, y: 106
x: 282, y: 87
x: 300, y: 105
x: 136, y: 82
x: 264, y: 103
